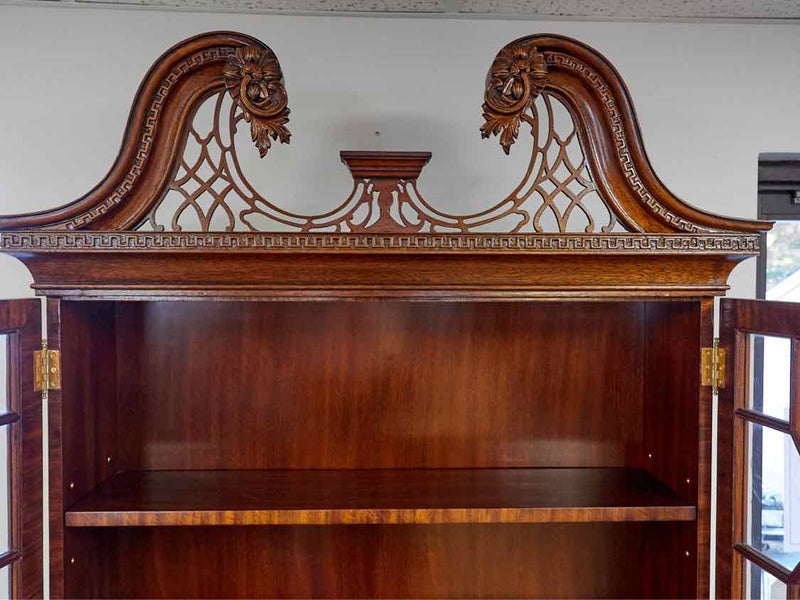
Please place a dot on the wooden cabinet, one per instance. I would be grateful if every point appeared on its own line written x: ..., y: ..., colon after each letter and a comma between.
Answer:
x: 20, y: 449
x: 385, y: 400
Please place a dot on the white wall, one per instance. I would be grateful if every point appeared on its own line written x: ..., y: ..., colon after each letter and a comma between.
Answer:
x: 710, y: 98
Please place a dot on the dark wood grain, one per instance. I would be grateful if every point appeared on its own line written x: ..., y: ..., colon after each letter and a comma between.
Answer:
x: 420, y: 368
x: 310, y: 497
x: 55, y: 460
x: 673, y: 400
x: 390, y: 165
x: 776, y: 569
x: 82, y: 427
x: 163, y: 103
x: 193, y: 70
x: 9, y: 557
x: 762, y: 419
x: 21, y: 324
x: 739, y: 319
x: 8, y: 418
x: 766, y: 317
x: 378, y: 385
x: 402, y: 274
x: 388, y: 561
x: 88, y: 425
x: 702, y: 534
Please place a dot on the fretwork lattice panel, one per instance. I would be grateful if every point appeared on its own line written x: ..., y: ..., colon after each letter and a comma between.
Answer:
x: 208, y: 190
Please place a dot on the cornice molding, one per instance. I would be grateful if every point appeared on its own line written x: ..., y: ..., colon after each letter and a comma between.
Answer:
x: 67, y: 241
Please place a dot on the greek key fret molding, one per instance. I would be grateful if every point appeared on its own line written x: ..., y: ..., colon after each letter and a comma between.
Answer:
x: 563, y: 61
x: 148, y: 132
x: 179, y: 171
x: 53, y: 242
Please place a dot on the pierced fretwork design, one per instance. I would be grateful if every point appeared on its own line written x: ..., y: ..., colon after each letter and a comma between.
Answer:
x: 209, y: 192
x: 558, y: 193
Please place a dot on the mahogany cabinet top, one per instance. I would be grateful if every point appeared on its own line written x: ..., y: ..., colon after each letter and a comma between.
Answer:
x: 588, y: 216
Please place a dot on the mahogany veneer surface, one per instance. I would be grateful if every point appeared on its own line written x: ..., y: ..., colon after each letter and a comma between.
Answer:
x: 339, y: 385
x: 499, y: 560
x: 158, y: 387
x: 141, y: 498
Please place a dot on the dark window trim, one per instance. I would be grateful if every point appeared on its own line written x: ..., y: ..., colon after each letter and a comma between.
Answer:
x: 778, y: 200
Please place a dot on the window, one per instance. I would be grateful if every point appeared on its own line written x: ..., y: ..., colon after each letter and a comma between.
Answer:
x: 774, y: 514
x: 779, y: 201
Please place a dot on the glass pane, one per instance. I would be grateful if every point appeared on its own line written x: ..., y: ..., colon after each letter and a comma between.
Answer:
x: 770, y: 359
x: 774, y: 509
x: 4, y: 401
x: 783, y: 262
x: 5, y: 581
x: 761, y: 585
x: 5, y: 490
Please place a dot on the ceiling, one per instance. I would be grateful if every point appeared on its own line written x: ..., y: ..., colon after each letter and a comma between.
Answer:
x: 596, y: 9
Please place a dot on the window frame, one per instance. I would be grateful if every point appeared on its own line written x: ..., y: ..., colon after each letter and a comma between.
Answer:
x: 778, y: 200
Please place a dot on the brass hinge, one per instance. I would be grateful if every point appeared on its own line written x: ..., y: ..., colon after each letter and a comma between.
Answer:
x: 46, y: 369
x: 712, y: 373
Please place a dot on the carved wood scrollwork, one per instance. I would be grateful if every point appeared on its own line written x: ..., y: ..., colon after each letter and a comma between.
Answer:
x: 517, y: 76
x: 255, y: 81
x: 588, y: 172
x: 209, y: 191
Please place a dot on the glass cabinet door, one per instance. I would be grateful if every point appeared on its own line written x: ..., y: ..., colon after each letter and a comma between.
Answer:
x: 759, y: 460
x: 20, y: 452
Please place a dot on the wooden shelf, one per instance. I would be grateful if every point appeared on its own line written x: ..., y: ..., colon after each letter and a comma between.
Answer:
x: 310, y: 497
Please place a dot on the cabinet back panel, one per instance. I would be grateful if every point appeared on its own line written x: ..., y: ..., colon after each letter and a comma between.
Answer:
x: 230, y: 385
x: 600, y: 560
x: 82, y: 422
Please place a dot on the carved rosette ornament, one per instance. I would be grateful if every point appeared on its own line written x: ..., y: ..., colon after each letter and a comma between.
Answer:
x: 517, y: 76
x: 254, y: 79
x: 587, y: 171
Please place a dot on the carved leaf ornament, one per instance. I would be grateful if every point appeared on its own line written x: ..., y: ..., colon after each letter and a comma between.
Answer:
x: 517, y: 76
x: 254, y: 79
x: 588, y: 171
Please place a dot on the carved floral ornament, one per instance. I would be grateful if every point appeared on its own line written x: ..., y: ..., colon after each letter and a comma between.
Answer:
x: 517, y: 76
x: 560, y: 191
x: 254, y: 79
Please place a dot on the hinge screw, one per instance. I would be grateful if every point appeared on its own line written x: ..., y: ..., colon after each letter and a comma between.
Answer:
x: 72, y: 485
x: 687, y: 553
x: 688, y: 480
x: 72, y: 560
x: 649, y: 456
x: 108, y: 459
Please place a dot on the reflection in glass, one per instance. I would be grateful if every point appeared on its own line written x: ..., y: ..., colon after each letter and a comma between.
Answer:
x: 5, y: 458
x: 773, y: 517
x: 769, y: 392
x: 4, y: 403
x: 783, y: 262
x: 762, y: 585
x: 5, y: 581
x: 5, y: 490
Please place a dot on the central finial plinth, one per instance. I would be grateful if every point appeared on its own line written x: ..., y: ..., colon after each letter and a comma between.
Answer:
x: 369, y: 164
x: 382, y: 181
